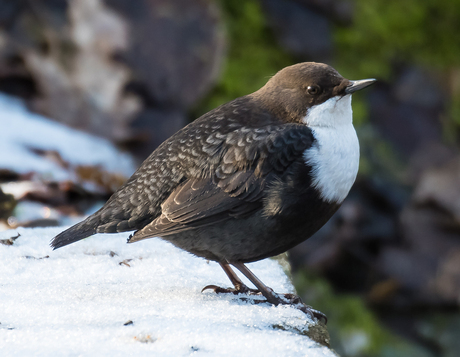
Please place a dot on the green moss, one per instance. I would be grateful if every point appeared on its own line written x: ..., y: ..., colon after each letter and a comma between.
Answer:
x: 384, y: 34
x: 451, y: 120
x: 253, y: 55
x: 388, y: 32
x: 354, y: 330
x: 317, y: 332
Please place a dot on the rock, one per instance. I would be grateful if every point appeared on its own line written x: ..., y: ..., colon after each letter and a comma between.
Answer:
x: 175, y: 48
x: 407, y: 125
x: 429, y: 158
x: 75, y: 61
x: 301, y: 31
x: 82, y: 293
x: 338, y: 11
x: 430, y: 265
x: 447, y: 280
x: 419, y: 87
x: 425, y: 263
x: 440, y: 186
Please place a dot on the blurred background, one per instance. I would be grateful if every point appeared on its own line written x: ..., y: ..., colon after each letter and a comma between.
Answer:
x: 88, y: 88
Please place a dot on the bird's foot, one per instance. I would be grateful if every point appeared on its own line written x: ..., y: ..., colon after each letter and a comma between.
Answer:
x: 278, y: 299
x: 296, y: 301
x: 275, y: 299
x: 239, y: 289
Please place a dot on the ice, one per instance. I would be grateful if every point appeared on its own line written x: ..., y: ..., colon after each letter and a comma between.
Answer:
x: 22, y: 131
x: 75, y: 301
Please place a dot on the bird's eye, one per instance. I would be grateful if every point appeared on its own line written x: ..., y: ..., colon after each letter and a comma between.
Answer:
x: 313, y: 90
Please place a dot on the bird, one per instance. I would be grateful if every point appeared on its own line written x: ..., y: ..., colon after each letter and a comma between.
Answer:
x: 246, y: 181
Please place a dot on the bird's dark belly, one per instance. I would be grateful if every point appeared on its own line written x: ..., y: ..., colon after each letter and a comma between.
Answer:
x: 261, y: 235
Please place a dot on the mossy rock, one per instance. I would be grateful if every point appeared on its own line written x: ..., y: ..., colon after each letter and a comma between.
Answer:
x: 353, y: 328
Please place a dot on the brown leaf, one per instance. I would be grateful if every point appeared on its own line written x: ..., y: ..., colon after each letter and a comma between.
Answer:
x: 125, y: 262
x: 9, y: 241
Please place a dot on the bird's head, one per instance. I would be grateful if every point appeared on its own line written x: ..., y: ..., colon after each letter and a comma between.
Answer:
x: 311, y: 93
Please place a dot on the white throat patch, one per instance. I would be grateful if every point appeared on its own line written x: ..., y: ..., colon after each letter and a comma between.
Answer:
x: 334, y: 157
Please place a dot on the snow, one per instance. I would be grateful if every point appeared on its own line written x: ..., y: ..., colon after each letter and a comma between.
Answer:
x: 75, y: 301
x: 22, y: 131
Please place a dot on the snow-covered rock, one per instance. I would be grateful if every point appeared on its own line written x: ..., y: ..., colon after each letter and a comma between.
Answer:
x: 32, y: 143
x: 102, y: 297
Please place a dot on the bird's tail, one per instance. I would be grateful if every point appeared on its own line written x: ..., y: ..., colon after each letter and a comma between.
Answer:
x: 79, y: 231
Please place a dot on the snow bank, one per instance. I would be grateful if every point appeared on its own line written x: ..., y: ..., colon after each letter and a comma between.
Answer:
x: 79, y: 300
x: 22, y: 132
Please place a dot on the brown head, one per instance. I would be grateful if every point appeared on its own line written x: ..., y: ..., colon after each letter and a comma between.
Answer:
x: 294, y: 89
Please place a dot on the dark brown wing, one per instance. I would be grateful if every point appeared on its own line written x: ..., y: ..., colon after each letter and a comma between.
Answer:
x: 235, y: 147
x: 236, y: 187
x: 196, y: 203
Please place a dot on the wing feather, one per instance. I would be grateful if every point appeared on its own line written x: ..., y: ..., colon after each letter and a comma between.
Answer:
x: 236, y: 188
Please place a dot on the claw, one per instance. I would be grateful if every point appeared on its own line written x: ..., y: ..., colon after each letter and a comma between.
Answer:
x: 319, y: 315
x: 296, y: 301
x: 312, y: 313
x: 240, y: 289
x: 292, y: 299
x: 272, y: 297
x: 283, y: 299
x: 217, y: 289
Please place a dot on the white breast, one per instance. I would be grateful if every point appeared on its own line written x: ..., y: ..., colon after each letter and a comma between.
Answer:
x: 334, y: 157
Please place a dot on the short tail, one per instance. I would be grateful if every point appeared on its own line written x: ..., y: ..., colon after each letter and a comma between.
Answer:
x: 81, y: 230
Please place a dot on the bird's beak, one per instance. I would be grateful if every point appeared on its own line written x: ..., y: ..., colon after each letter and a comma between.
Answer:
x: 358, y: 85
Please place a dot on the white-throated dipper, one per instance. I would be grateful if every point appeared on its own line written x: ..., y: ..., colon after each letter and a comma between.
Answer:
x: 247, y: 180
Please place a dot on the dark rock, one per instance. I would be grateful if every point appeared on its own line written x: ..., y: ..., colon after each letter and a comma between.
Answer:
x: 8, y: 11
x: 429, y: 157
x: 447, y: 281
x: 419, y: 87
x: 339, y: 11
x: 8, y: 175
x: 75, y: 61
x: 301, y: 31
x: 440, y: 186
x: 175, y: 47
x: 407, y: 126
x: 426, y: 262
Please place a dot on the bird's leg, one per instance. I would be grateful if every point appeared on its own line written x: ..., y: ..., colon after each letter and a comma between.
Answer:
x: 237, y: 283
x: 277, y: 299
x: 240, y: 287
